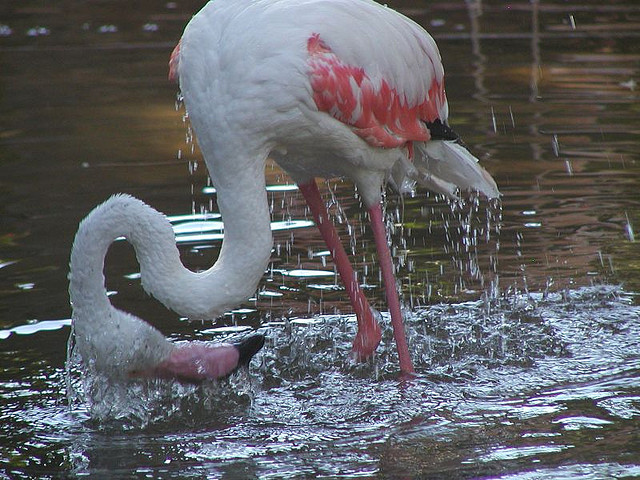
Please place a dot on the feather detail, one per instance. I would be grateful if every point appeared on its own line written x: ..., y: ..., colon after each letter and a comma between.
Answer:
x: 376, y: 111
x: 445, y: 167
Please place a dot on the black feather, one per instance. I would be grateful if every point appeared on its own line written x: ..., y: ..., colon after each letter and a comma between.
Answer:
x: 441, y: 131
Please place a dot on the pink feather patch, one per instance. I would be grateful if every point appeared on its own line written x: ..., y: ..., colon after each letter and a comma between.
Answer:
x: 174, y: 63
x: 380, y: 115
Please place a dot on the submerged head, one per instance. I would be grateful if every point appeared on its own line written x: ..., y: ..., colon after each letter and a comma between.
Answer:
x: 194, y: 362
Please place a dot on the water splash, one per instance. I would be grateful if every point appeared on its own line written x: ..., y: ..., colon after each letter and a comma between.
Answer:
x: 126, y: 403
x: 446, y: 340
x: 535, y: 373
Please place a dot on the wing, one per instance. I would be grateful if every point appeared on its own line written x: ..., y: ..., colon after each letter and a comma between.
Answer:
x: 174, y: 64
x: 387, y: 88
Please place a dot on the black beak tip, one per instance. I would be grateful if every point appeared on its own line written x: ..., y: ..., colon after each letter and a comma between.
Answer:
x: 249, y: 347
x: 440, y: 130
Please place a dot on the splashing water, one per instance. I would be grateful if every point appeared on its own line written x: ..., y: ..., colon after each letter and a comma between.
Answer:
x: 534, y: 340
x: 137, y: 403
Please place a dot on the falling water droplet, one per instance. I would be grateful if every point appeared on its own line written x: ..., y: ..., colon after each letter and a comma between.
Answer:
x: 150, y: 27
x: 493, y: 120
x: 629, y: 229
x: 107, y: 29
x: 568, y: 167
x: 513, y: 120
x: 555, y: 145
x: 38, y: 32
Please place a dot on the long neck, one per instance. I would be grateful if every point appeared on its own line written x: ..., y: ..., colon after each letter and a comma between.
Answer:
x: 246, y: 249
x: 111, y: 340
x: 95, y: 234
x: 233, y: 278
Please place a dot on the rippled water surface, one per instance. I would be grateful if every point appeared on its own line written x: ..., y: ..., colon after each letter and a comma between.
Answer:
x: 523, y: 317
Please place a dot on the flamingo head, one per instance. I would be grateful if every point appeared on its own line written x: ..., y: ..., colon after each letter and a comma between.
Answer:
x: 195, y: 362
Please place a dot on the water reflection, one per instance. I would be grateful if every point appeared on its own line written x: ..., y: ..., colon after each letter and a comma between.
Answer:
x: 35, y: 327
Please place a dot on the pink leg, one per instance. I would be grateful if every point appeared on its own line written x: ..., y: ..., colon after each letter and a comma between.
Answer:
x: 388, y: 276
x: 368, y: 336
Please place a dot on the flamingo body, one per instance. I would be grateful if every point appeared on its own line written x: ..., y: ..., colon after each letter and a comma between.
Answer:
x: 320, y: 85
x: 327, y: 88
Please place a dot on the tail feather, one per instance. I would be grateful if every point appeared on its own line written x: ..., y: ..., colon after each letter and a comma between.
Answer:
x: 444, y: 167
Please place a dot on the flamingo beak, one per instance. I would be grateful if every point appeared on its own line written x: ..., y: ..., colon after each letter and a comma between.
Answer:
x: 248, y: 348
x: 194, y: 362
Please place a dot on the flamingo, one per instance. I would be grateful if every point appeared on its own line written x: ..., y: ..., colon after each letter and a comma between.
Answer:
x: 117, y: 343
x: 327, y: 88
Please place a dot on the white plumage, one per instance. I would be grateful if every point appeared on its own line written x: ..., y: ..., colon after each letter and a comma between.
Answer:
x: 325, y: 87
x: 118, y: 344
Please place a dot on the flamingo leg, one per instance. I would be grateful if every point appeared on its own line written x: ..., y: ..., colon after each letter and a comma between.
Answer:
x: 369, y: 334
x: 388, y: 276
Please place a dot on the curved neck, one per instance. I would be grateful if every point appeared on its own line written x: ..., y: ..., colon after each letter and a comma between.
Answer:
x: 232, y: 279
x: 243, y: 259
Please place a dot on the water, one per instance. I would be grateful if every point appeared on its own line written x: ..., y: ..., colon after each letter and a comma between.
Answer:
x: 524, y: 328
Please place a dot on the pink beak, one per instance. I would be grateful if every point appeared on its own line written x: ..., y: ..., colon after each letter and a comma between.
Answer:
x: 194, y: 362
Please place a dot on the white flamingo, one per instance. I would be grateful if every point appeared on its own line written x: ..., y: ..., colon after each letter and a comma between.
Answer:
x: 327, y: 88
x: 117, y: 343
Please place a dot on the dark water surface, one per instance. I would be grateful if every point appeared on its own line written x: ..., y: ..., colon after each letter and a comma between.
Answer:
x: 523, y: 319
